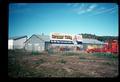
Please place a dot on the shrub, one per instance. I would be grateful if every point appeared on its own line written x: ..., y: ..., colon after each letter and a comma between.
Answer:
x: 35, y: 53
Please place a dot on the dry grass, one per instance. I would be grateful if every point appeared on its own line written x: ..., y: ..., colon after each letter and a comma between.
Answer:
x: 24, y: 64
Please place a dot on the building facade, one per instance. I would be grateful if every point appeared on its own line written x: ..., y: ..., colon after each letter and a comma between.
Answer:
x: 56, y: 42
x: 16, y: 42
x: 36, y: 43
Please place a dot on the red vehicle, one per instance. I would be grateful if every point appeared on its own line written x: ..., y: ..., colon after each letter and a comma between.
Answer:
x: 109, y: 47
x: 112, y: 46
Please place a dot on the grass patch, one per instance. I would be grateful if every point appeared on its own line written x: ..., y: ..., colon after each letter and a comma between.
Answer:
x: 107, y: 55
x: 35, y: 53
x: 51, y: 72
x: 83, y: 59
x: 38, y: 62
x: 62, y: 61
x: 72, y: 54
x: 107, y: 63
x: 15, y: 69
x: 18, y: 67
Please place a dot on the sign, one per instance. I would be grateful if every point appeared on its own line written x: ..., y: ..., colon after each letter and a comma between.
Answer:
x: 78, y: 37
x: 67, y: 37
x: 60, y: 36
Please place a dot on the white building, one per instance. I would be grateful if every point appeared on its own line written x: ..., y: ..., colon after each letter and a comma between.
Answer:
x: 36, y: 43
x: 16, y: 42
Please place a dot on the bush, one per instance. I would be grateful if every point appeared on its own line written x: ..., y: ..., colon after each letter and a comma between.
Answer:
x: 35, y: 53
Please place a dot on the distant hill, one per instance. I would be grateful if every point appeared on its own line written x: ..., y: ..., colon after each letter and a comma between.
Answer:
x: 101, y: 38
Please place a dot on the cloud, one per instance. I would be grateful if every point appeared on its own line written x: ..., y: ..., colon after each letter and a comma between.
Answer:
x: 81, y: 6
x: 105, y: 11
x: 85, y: 8
x: 102, y: 8
x: 81, y: 12
x: 91, y: 7
x: 81, y: 9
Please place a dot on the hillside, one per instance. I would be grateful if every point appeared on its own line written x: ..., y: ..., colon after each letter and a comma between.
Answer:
x: 101, y: 38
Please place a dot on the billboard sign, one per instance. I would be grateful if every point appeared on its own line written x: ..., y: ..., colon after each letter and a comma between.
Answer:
x: 60, y: 36
x: 78, y: 37
x: 63, y: 36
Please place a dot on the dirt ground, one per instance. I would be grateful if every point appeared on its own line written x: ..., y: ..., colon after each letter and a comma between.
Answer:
x: 53, y: 65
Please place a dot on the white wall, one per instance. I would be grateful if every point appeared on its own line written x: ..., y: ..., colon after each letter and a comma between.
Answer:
x: 35, y: 44
x: 10, y: 44
x: 19, y: 44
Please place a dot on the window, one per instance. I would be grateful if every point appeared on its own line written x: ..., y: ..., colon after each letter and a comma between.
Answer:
x: 79, y: 42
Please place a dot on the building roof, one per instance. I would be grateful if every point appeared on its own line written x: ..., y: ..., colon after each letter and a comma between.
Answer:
x: 17, y: 37
x: 92, y: 41
x: 41, y: 37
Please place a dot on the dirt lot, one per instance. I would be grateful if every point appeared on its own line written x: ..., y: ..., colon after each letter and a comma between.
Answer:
x: 24, y: 64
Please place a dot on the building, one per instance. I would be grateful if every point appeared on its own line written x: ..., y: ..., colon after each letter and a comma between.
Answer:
x: 65, y: 42
x: 91, y: 43
x: 60, y: 42
x: 54, y: 42
x: 37, y: 43
x: 61, y: 45
x: 16, y: 42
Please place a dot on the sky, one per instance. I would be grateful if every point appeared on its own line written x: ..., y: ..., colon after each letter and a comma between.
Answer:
x: 72, y: 18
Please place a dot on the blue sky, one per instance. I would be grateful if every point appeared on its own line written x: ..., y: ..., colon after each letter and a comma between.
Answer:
x: 73, y: 18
